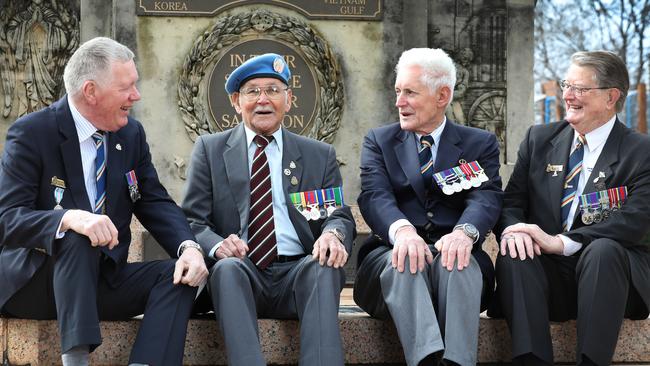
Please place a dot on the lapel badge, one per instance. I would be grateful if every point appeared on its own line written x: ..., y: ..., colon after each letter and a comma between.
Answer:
x: 287, y: 172
x: 132, y: 181
x: 57, y: 182
x: 599, y: 182
x: 58, y: 197
x: 118, y: 147
x: 294, y: 181
x: 550, y: 168
x: 292, y: 165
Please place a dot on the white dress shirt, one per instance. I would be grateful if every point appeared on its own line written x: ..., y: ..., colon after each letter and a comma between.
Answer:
x: 595, y: 142
x: 392, y: 229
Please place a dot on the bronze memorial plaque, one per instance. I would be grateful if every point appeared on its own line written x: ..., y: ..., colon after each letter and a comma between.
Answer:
x: 302, y: 83
x: 313, y: 9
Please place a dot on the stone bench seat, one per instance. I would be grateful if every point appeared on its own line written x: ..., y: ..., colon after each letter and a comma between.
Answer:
x: 365, y: 340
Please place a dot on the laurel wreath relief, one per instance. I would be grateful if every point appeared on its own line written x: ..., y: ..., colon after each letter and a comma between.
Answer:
x: 228, y: 30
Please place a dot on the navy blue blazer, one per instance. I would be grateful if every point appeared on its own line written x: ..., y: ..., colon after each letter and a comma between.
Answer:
x: 43, y: 145
x: 392, y: 187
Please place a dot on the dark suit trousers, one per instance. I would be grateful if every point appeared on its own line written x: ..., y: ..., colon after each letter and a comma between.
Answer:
x: 78, y: 287
x: 301, y: 289
x: 594, y: 287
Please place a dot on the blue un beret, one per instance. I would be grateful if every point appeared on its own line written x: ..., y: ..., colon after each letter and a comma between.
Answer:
x: 269, y: 65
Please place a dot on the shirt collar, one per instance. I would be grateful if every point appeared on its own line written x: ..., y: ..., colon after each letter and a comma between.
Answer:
x: 598, y: 136
x: 85, y: 129
x: 250, y: 135
x: 435, y: 133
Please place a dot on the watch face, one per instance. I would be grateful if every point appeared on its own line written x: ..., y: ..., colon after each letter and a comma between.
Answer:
x: 471, y: 230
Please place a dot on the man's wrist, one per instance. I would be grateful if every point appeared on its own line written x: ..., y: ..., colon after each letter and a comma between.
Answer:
x: 189, y: 244
x: 470, y: 230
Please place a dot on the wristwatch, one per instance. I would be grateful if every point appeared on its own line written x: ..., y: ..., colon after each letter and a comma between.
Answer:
x: 189, y: 244
x: 470, y: 230
x: 337, y: 232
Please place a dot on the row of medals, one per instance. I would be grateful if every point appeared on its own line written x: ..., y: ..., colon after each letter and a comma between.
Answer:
x: 315, y: 212
x: 455, y: 183
x: 597, y: 213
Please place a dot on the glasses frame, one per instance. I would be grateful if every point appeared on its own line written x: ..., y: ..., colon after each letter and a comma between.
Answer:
x: 578, y: 90
x: 262, y: 89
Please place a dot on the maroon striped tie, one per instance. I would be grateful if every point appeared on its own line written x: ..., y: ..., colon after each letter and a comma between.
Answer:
x: 261, y: 229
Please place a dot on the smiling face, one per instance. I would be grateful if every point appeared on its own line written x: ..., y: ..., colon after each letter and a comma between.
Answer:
x: 262, y: 115
x: 109, y: 101
x: 594, y: 107
x: 420, y: 110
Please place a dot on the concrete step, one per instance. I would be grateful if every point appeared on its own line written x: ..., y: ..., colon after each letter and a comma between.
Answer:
x: 366, y: 341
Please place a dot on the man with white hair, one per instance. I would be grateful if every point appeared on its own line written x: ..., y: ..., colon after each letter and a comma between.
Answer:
x: 72, y: 176
x: 430, y: 192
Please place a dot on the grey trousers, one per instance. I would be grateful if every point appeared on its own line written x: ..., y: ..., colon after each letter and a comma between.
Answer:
x: 301, y: 289
x: 432, y: 310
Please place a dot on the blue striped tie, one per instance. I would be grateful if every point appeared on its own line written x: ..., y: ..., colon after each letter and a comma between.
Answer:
x: 100, y: 173
x: 426, y: 162
x: 571, y: 180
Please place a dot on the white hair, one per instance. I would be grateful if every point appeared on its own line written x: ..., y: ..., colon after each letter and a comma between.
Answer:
x: 92, y: 61
x: 437, y: 67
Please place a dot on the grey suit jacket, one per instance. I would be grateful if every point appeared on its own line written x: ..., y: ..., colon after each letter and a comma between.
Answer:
x: 218, y: 187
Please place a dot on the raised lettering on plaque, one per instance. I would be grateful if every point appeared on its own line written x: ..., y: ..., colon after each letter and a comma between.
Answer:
x: 302, y: 82
x: 313, y: 9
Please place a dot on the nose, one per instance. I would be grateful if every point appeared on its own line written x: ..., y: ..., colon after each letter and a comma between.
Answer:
x: 263, y: 98
x: 135, y: 95
x: 400, y: 100
x: 568, y: 93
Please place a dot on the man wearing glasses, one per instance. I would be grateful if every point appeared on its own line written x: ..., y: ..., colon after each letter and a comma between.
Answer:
x: 263, y: 204
x: 575, y: 213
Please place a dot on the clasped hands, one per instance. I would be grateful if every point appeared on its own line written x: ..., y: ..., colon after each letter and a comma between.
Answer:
x: 328, y: 250
x: 455, y: 247
x: 527, y: 240
x: 189, y: 270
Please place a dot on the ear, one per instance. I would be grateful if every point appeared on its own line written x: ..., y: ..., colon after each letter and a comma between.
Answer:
x: 234, y: 101
x: 287, y: 105
x: 89, y: 91
x: 443, y: 97
x: 613, y: 95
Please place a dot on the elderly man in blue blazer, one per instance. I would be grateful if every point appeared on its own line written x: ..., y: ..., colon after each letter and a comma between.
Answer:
x: 430, y: 192
x: 263, y: 203
x: 72, y: 176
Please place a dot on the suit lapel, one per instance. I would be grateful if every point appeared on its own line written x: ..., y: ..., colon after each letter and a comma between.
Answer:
x: 448, y: 153
x: 291, y: 154
x: 236, y: 163
x: 71, y: 156
x: 558, y: 155
x: 407, y: 156
x: 115, y: 170
x: 606, y: 160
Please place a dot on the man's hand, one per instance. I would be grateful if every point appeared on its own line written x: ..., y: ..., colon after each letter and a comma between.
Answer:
x: 98, y: 228
x: 337, y: 253
x: 190, y: 268
x: 455, y: 245
x: 518, y: 244
x: 232, y: 246
x: 551, y: 244
x: 409, y: 243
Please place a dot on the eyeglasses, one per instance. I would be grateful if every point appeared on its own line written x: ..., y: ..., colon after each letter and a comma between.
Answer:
x: 578, y: 90
x: 271, y: 91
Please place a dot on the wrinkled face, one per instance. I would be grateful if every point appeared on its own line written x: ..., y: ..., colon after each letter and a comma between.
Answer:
x: 420, y: 109
x: 262, y: 114
x: 594, y: 107
x: 113, y: 98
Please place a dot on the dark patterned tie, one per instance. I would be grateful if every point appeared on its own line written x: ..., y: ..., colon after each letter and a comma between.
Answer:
x: 426, y: 163
x: 261, y: 229
x: 100, y: 173
x: 571, y: 180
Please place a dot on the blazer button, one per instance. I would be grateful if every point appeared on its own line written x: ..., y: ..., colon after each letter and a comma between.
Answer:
x: 430, y: 214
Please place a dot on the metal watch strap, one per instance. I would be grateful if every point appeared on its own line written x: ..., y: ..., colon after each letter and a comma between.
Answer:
x: 191, y: 245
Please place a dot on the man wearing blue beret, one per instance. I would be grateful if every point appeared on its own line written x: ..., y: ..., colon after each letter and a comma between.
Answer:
x: 262, y: 201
